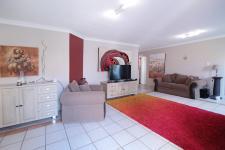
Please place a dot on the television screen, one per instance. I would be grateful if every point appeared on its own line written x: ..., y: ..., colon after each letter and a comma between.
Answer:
x: 120, y: 72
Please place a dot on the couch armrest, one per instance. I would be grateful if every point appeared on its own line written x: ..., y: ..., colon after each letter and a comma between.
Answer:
x: 82, y: 98
x: 156, y: 81
x: 195, y: 87
x: 96, y: 87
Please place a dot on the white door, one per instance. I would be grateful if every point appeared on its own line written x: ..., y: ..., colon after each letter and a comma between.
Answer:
x: 143, y: 69
x: 10, y: 109
x: 28, y: 103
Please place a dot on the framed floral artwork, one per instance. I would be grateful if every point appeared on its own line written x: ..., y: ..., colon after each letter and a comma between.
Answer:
x: 16, y: 59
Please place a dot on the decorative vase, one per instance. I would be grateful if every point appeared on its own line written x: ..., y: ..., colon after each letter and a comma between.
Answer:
x: 21, y: 80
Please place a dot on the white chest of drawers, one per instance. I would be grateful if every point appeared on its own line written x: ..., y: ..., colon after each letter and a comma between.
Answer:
x: 20, y: 104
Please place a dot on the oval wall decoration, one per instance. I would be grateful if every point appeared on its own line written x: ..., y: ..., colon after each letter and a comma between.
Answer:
x: 111, y: 58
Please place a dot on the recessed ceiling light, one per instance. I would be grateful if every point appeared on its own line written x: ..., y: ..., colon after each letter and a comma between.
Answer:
x: 112, y: 14
x: 191, y: 34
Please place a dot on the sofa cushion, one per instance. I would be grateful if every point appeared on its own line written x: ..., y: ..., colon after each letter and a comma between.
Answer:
x: 85, y: 87
x: 173, y: 86
x: 181, y: 87
x: 167, y: 78
x: 82, y: 98
x: 173, y: 77
x: 166, y: 84
x: 73, y: 86
x: 181, y: 79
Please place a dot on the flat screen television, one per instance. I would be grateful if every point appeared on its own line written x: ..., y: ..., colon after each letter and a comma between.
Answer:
x: 120, y: 72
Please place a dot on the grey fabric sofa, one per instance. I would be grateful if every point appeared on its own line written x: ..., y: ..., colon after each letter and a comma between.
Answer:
x: 83, y: 106
x: 180, y: 85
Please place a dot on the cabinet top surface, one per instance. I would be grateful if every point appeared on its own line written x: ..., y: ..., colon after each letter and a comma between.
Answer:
x: 28, y: 84
x: 106, y: 82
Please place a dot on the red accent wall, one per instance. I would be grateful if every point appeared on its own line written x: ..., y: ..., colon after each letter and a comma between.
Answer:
x: 76, y: 57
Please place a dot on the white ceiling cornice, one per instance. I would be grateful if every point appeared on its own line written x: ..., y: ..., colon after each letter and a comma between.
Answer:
x: 32, y: 25
x: 185, y: 43
x: 112, y: 42
x: 53, y: 28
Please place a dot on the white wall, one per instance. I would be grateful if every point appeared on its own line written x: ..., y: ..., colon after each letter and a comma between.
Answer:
x: 199, y: 56
x: 91, y: 60
x: 57, y: 55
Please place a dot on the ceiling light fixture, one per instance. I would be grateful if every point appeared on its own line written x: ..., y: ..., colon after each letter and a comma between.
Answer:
x: 128, y: 3
x: 124, y: 4
x: 112, y: 14
x: 191, y: 34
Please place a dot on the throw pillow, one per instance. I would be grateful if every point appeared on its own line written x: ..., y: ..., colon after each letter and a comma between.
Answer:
x: 181, y: 79
x: 191, y: 79
x: 82, y: 81
x: 166, y: 78
x: 73, y: 86
x: 188, y: 81
x: 85, y: 87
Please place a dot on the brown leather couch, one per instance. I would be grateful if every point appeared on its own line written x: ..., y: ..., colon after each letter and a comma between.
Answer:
x: 180, y: 85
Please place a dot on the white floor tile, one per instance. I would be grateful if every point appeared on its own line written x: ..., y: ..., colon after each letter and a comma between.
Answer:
x: 33, y: 143
x: 220, y: 110
x: 106, y: 121
x: 71, y: 125
x: 123, y: 138
x: 113, y: 128
x: 136, y: 145
x: 62, y: 145
x: 196, y: 103
x: 97, y: 134
x: 31, y: 133
x: 54, y: 127
x: 168, y: 147
x: 15, y: 146
x: 73, y: 131
x: 106, y: 144
x: 88, y: 147
x: 55, y: 136
x: 153, y: 141
x: 11, y: 139
x: 137, y: 131
x: 79, y: 141
x: 126, y: 123
x: 90, y: 126
x: 41, y: 148
x: 111, y: 112
x: 117, y: 117
x: 208, y: 106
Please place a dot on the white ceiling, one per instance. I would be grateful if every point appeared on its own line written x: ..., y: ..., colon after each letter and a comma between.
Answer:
x: 150, y: 24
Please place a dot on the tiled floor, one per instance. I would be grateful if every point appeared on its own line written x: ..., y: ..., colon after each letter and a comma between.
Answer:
x: 116, y: 132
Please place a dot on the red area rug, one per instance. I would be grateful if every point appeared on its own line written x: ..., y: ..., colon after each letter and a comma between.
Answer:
x: 188, y: 127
